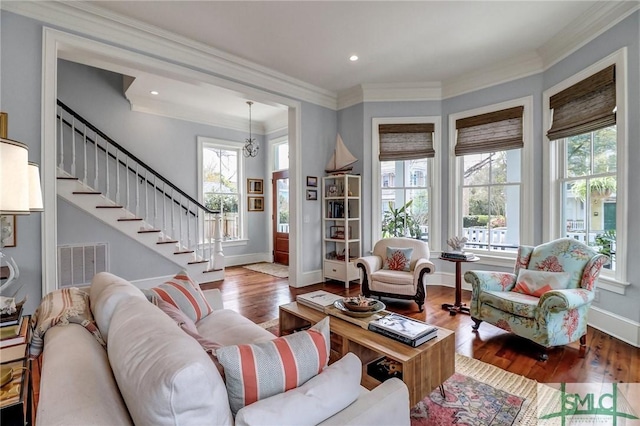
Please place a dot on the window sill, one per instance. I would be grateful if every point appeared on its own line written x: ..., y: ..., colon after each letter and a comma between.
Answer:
x: 491, y: 259
x: 230, y: 243
x: 612, y: 284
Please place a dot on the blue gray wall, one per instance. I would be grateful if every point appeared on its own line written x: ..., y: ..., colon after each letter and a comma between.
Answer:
x: 21, y: 83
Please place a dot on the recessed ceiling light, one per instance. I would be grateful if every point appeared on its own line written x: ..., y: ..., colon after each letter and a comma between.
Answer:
x: 353, y: 58
x: 154, y: 92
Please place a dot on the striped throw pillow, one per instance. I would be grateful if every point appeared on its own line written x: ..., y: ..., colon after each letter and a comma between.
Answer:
x: 257, y: 371
x: 183, y: 293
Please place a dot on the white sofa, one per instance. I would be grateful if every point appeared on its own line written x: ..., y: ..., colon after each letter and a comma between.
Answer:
x: 153, y: 373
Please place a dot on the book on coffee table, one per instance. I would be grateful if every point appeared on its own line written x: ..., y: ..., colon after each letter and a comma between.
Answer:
x: 404, y: 329
x: 320, y: 299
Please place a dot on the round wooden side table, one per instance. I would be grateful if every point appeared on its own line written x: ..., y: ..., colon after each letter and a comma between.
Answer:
x: 458, y: 306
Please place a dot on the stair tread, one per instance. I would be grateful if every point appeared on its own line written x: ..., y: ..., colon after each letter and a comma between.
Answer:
x: 168, y: 242
x: 148, y: 231
x: 108, y: 207
x: 183, y: 252
x: 212, y: 270
x: 66, y: 178
x: 87, y: 192
x: 129, y: 219
x: 197, y: 261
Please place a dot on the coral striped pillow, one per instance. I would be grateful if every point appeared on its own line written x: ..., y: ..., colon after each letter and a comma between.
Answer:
x: 183, y: 293
x: 257, y: 371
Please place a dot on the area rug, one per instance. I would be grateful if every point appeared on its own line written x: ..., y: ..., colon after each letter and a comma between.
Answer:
x: 478, y: 394
x: 280, y: 271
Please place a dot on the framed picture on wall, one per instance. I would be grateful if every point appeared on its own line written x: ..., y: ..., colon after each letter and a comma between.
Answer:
x: 312, y: 181
x: 312, y: 194
x: 254, y: 186
x: 8, y: 230
x: 256, y: 204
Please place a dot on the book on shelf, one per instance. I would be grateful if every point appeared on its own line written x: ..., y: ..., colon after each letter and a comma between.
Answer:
x: 404, y: 329
x: 20, y: 337
x: 319, y: 300
x: 13, y: 353
x: 14, y: 318
x: 9, y: 331
x: 458, y: 255
x: 384, y: 368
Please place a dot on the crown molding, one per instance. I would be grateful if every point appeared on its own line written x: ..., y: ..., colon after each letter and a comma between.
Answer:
x: 390, y: 92
x: 497, y: 73
x: 88, y: 19
x: 196, y: 115
x: 595, y: 21
x: 350, y: 97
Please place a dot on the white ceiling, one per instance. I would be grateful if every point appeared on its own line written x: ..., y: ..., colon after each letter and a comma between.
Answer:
x: 311, y: 41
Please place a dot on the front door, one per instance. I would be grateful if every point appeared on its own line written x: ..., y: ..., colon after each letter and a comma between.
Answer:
x: 281, y: 217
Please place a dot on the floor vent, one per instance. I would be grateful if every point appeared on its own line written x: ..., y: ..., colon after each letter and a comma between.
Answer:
x: 77, y: 264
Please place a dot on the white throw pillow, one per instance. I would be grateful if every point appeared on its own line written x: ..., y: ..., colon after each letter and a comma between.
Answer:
x: 536, y: 283
x: 315, y: 401
x: 164, y: 376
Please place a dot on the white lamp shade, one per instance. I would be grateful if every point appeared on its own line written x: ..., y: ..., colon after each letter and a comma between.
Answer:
x: 35, y: 190
x: 14, y: 177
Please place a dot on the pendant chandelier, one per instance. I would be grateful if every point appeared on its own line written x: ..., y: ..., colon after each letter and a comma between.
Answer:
x: 251, y: 147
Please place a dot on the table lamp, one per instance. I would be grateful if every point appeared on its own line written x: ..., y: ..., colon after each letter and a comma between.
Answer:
x: 20, y: 194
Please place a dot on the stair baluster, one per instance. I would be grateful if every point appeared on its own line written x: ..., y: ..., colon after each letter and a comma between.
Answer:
x: 202, y: 236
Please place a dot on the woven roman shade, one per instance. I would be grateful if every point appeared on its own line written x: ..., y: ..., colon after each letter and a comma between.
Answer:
x: 406, y: 141
x: 584, y: 107
x: 490, y: 132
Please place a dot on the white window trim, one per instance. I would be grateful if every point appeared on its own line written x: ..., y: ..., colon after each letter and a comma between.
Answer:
x: 615, y: 281
x: 495, y: 257
x: 433, y: 172
x: 203, y: 141
x: 272, y: 144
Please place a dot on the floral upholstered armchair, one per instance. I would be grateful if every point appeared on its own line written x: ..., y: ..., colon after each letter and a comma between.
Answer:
x: 546, y: 299
x: 397, y: 269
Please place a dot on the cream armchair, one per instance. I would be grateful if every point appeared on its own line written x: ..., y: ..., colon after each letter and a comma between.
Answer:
x: 399, y: 284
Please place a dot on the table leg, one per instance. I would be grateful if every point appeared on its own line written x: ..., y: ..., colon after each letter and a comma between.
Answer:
x: 457, y: 306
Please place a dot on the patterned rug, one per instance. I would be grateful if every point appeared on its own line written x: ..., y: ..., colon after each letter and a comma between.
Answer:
x: 280, y: 271
x: 479, y: 394
x: 468, y: 402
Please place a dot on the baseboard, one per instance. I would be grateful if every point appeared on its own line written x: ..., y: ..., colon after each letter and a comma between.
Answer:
x: 245, y: 259
x: 309, y: 278
x: 615, y: 325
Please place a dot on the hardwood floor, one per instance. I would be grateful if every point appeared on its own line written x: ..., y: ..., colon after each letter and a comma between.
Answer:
x: 606, y: 359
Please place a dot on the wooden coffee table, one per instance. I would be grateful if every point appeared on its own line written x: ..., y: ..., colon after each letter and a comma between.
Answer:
x: 423, y: 368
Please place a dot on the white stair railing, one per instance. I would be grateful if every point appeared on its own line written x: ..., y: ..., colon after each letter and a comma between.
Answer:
x: 106, y: 166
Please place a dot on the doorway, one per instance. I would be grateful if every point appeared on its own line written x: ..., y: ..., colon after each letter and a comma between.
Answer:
x: 280, y: 217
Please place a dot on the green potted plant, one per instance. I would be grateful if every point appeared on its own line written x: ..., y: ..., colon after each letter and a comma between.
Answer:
x: 399, y: 222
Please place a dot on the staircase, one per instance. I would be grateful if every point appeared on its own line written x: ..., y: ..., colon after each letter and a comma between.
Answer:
x: 103, y: 179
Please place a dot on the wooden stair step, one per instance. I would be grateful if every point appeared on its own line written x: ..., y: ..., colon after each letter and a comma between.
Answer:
x: 109, y: 207
x: 66, y: 178
x: 168, y: 242
x: 148, y: 231
x: 211, y: 270
x: 87, y: 193
x: 129, y: 219
x: 195, y: 262
x: 183, y: 252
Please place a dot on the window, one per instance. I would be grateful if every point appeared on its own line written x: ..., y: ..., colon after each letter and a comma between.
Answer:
x: 491, y: 165
x: 586, y: 149
x: 588, y: 180
x: 403, y: 172
x: 405, y: 201
x: 281, y: 154
x: 221, y: 184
